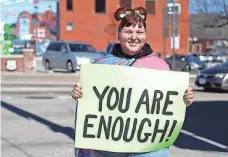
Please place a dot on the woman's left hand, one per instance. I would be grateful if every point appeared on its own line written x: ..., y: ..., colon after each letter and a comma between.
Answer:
x: 188, y: 96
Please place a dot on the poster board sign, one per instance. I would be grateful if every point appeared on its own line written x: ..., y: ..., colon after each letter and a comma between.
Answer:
x: 129, y: 109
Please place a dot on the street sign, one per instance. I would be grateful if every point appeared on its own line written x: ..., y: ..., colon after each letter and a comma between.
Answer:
x: 173, y: 8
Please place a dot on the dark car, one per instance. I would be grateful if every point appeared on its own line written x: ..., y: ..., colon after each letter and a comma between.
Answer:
x: 213, y: 77
x: 194, y: 62
x: 180, y: 63
x: 109, y: 48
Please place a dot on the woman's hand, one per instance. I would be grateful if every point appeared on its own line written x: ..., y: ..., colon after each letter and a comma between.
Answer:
x: 188, y: 96
x: 77, y: 91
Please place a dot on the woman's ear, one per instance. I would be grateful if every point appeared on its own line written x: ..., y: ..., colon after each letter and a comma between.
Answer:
x: 118, y: 35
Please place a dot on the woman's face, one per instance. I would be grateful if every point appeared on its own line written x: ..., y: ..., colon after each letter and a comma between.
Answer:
x: 132, y: 39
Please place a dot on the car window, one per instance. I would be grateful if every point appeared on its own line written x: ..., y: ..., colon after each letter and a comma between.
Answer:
x: 63, y: 47
x: 83, y: 47
x: 87, y: 48
x: 75, y: 47
x: 90, y: 48
x: 54, y: 46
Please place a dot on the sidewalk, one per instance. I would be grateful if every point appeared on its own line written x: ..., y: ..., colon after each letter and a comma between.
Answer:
x: 39, y: 77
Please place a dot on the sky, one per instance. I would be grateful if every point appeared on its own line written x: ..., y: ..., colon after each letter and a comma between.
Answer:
x: 10, y: 9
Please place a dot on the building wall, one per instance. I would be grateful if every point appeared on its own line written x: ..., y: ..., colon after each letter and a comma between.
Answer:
x: 100, y: 29
x: 39, y: 26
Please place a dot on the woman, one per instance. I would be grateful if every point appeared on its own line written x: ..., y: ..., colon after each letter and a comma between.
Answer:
x: 132, y: 51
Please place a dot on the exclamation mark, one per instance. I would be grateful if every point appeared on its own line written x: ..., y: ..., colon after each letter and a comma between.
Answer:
x: 171, y: 130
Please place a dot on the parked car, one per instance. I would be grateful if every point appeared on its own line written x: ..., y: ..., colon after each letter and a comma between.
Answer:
x: 213, y: 77
x: 202, y: 56
x: 194, y: 62
x: 68, y: 55
x: 220, y: 57
x: 180, y: 63
x: 109, y: 48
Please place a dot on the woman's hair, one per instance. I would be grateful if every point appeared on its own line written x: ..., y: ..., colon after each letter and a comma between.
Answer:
x: 129, y: 17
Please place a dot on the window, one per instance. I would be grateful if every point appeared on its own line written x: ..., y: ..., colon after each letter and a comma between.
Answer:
x: 100, y: 6
x: 69, y: 4
x: 54, y: 47
x: 151, y: 7
x: 63, y: 47
x: 90, y: 48
x: 69, y: 26
x: 75, y: 47
x: 126, y: 3
x: 198, y: 48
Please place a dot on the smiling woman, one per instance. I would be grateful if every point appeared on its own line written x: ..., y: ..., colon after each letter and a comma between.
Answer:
x: 132, y: 29
x: 131, y: 51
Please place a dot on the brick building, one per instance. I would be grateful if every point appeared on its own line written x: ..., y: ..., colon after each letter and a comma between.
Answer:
x: 37, y: 26
x: 92, y: 21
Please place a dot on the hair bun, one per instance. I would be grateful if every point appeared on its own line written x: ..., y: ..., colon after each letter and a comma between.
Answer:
x: 142, y: 11
x: 120, y: 11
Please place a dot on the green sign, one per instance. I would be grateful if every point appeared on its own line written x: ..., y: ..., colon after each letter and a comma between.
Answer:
x: 129, y: 109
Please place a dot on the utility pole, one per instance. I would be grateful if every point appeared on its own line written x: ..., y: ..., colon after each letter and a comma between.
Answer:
x: 165, y: 25
x: 58, y: 20
x: 173, y: 25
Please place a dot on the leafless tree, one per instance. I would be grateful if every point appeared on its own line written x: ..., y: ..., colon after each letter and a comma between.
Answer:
x: 215, y: 12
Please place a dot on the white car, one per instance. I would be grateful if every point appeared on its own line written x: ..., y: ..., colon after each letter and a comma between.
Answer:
x: 68, y: 55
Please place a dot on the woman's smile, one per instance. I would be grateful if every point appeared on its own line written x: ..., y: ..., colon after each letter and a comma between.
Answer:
x: 133, y: 44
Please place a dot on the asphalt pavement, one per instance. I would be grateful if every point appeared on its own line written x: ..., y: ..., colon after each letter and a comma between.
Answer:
x: 42, y: 125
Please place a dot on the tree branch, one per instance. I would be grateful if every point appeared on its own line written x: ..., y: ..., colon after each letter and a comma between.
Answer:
x: 215, y: 11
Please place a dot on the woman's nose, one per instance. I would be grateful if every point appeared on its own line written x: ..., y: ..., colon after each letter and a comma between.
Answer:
x: 134, y: 36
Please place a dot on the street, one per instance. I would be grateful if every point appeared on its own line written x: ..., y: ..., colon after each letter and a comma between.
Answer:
x: 36, y: 124
x: 45, y: 43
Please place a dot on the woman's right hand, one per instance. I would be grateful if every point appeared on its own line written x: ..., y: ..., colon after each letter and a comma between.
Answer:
x: 77, y: 91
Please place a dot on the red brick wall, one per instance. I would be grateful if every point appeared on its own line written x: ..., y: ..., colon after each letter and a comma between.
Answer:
x: 100, y: 29
x: 28, y: 60
x: 19, y: 63
x: 24, y: 63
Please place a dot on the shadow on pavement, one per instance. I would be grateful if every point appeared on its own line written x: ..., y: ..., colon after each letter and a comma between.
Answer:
x: 68, y: 131
x: 206, y: 119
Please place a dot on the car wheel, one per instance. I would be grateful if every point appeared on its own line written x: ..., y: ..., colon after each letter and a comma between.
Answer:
x: 47, y: 65
x: 69, y: 67
x: 187, y: 68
